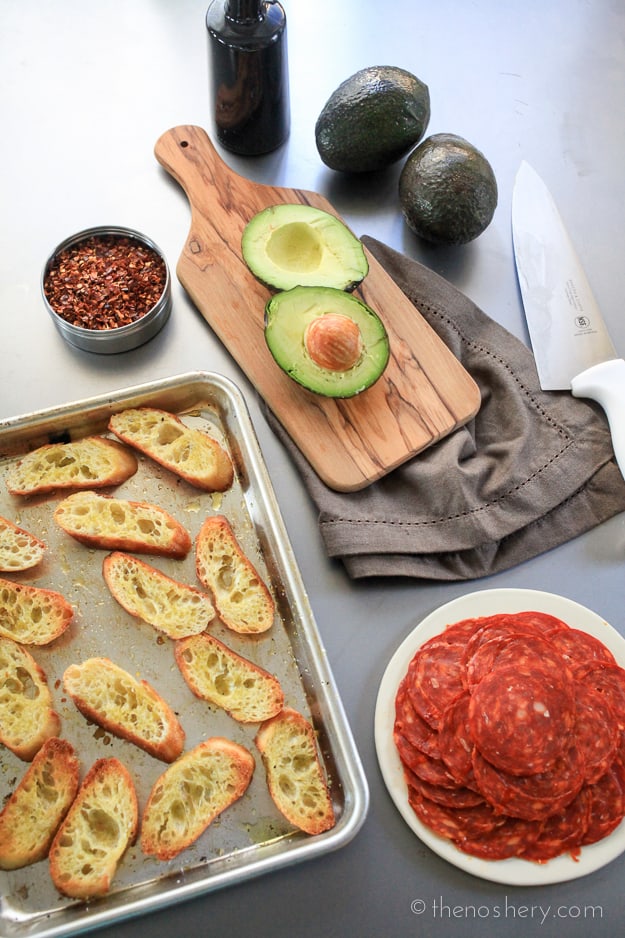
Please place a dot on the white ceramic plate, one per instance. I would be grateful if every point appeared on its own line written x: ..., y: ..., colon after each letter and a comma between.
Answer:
x: 489, y: 602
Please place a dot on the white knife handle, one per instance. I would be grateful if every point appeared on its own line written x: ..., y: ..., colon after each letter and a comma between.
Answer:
x: 605, y: 383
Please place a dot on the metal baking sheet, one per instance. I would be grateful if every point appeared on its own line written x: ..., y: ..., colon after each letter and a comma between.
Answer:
x: 251, y: 837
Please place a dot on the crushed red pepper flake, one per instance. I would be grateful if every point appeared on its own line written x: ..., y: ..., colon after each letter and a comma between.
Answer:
x: 105, y: 281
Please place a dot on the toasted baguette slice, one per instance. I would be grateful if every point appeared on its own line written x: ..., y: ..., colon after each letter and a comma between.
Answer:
x: 218, y: 674
x: 90, y: 463
x: 171, y: 607
x: 32, y: 615
x: 126, y: 707
x: 192, y: 454
x: 100, y: 825
x: 109, y: 523
x: 193, y: 792
x: 294, y: 774
x: 19, y: 549
x: 31, y: 816
x: 241, y: 597
x: 26, y: 715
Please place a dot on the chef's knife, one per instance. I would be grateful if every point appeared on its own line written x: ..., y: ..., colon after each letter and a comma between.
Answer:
x: 572, y: 348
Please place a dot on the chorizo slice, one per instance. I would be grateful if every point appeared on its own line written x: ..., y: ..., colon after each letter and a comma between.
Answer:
x: 424, y: 766
x: 580, y: 649
x: 596, y: 731
x: 541, y: 622
x: 450, y: 797
x: 434, y: 679
x: 455, y: 743
x: 457, y: 824
x: 458, y: 632
x: 607, y: 805
x: 507, y: 840
x: 525, y: 651
x: 495, y: 627
x: 412, y: 726
x: 521, y: 721
x: 609, y: 680
x: 531, y: 797
x: 562, y: 832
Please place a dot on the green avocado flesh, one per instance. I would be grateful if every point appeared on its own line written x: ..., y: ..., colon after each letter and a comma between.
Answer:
x: 297, y: 245
x: 291, y: 319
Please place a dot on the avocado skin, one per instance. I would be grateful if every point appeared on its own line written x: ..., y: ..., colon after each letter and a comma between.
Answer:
x: 287, y: 314
x: 372, y: 119
x: 447, y: 190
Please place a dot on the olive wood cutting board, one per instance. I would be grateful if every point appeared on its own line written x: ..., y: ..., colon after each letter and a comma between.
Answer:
x: 424, y: 392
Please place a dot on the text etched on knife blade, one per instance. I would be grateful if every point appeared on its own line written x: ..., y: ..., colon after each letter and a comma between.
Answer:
x: 582, y: 322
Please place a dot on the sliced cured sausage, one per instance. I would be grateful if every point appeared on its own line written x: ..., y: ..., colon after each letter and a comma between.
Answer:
x: 541, y: 621
x: 531, y: 797
x: 424, y: 766
x: 608, y: 679
x: 606, y: 807
x: 494, y: 627
x: 579, y: 649
x: 524, y: 651
x: 455, y: 743
x: 458, y: 632
x: 511, y: 733
x: 562, y: 832
x: 412, y: 726
x: 455, y: 824
x: 509, y: 839
x: 596, y: 730
x: 450, y: 797
x: 434, y: 679
x: 522, y: 721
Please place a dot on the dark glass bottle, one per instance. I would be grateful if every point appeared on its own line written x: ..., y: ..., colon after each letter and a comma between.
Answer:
x: 249, y: 79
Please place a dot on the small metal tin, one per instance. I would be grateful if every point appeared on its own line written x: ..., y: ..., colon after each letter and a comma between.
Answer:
x: 120, y: 338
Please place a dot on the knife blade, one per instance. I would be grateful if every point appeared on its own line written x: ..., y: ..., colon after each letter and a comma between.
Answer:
x: 570, y: 341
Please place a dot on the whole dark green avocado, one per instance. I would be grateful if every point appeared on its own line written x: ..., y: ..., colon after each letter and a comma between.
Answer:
x: 447, y: 190
x: 372, y: 119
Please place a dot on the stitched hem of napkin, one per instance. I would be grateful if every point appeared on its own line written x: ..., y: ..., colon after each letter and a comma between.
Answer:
x: 486, y: 348
x: 592, y: 504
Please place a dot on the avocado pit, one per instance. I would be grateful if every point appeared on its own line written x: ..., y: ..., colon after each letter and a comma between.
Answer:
x: 333, y: 341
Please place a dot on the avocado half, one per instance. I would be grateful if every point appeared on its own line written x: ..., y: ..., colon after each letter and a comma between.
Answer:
x: 293, y: 245
x: 327, y: 340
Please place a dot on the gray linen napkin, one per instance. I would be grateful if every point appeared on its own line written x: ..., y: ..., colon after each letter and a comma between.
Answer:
x: 530, y: 471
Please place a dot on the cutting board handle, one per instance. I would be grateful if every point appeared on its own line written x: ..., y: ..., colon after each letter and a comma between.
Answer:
x: 188, y: 155
x: 215, y: 191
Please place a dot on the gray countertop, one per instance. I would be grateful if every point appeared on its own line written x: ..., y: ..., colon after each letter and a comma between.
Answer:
x: 86, y: 90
